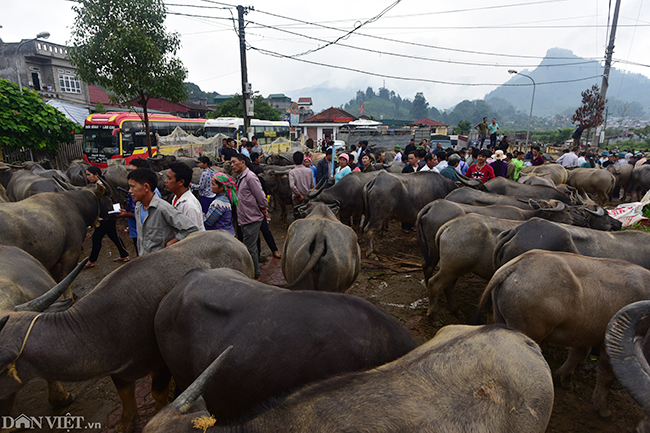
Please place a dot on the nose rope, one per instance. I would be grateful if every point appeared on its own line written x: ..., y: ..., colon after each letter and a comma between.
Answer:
x: 11, y: 367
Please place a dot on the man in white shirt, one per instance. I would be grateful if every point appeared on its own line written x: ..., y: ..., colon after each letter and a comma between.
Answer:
x: 430, y: 163
x: 177, y: 181
x: 569, y: 159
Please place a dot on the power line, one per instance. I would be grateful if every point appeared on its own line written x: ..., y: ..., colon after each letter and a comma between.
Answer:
x: 586, y: 59
x: 369, y: 21
x: 424, y: 45
x: 426, y: 80
x: 401, y: 55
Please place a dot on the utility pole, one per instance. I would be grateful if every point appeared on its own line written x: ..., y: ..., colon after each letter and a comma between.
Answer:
x: 608, y: 65
x: 245, y: 86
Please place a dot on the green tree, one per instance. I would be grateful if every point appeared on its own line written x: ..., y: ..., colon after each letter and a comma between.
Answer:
x: 463, y: 127
x: 122, y: 45
x: 233, y: 108
x: 99, y: 107
x: 420, y: 107
x: 27, y: 121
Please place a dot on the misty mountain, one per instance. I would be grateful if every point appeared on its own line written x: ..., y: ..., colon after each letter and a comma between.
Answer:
x: 551, y: 99
x: 323, y: 96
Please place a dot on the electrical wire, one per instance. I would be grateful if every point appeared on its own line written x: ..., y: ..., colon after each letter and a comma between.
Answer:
x: 426, y: 80
x: 401, y: 55
x: 424, y: 45
x: 369, y: 21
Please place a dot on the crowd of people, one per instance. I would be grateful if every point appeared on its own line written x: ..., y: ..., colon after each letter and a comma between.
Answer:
x: 240, y: 205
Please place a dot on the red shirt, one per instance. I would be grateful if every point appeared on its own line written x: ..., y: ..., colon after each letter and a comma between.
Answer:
x: 538, y: 161
x: 484, y: 174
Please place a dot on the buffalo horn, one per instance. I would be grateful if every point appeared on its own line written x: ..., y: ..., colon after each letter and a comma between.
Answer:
x: 626, y: 355
x: 48, y: 298
x: 184, y: 402
x: 558, y: 208
x: 313, y: 194
x: 598, y: 212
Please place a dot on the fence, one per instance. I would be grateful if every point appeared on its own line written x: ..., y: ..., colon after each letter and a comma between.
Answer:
x: 60, y: 160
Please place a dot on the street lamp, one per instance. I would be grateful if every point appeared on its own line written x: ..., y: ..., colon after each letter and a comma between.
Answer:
x: 41, y: 35
x: 530, y: 117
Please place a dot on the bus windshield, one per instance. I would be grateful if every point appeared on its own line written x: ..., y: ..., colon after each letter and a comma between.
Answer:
x: 98, y: 139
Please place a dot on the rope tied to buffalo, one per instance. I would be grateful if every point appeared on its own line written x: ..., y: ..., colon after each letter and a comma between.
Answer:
x: 11, y: 367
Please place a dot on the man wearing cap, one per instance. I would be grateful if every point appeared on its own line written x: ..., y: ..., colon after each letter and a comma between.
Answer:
x: 604, y: 157
x: 611, y: 160
x: 398, y: 154
x: 247, y: 147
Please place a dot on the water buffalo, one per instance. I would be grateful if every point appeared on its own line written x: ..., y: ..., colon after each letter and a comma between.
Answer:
x: 320, y: 253
x: 592, y: 216
x: 623, y: 175
x: 117, y: 337
x: 22, y: 184
x: 593, y: 180
x: 503, y: 186
x: 282, y: 158
x: 277, y: 180
x: 52, y: 226
x: 537, y: 233
x: 76, y: 172
x: 464, y: 245
x: 466, y: 379
x: 400, y: 196
x: 347, y: 194
x: 555, y: 172
x: 437, y: 213
x: 23, y: 279
x: 532, y: 179
x: 161, y: 162
x: 629, y: 355
x: 48, y: 173
x: 115, y: 177
x: 567, y: 300
x: 283, y: 339
x: 640, y: 180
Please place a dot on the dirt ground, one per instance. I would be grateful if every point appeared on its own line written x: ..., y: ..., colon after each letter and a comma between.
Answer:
x: 394, y: 283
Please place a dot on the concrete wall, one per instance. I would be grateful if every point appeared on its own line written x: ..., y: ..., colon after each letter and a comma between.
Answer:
x: 49, y: 61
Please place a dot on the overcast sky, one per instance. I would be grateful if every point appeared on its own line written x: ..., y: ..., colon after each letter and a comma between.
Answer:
x: 436, y: 32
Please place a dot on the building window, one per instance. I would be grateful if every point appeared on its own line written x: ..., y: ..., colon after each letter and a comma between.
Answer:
x: 36, y: 80
x: 69, y: 84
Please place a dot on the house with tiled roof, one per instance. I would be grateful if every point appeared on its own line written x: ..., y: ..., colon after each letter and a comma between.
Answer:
x: 325, y: 124
x: 279, y: 101
x: 439, y: 128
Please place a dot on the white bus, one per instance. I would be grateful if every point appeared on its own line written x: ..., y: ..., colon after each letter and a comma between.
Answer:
x: 266, y: 131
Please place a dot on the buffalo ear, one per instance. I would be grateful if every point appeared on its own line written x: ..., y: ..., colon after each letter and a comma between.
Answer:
x: 100, y: 191
x: 3, y: 322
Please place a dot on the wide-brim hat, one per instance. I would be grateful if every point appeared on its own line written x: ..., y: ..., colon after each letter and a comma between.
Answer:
x: 621, y: 155
x: 397, y: 148
x: 604, y: 153
x: 499, y: 155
